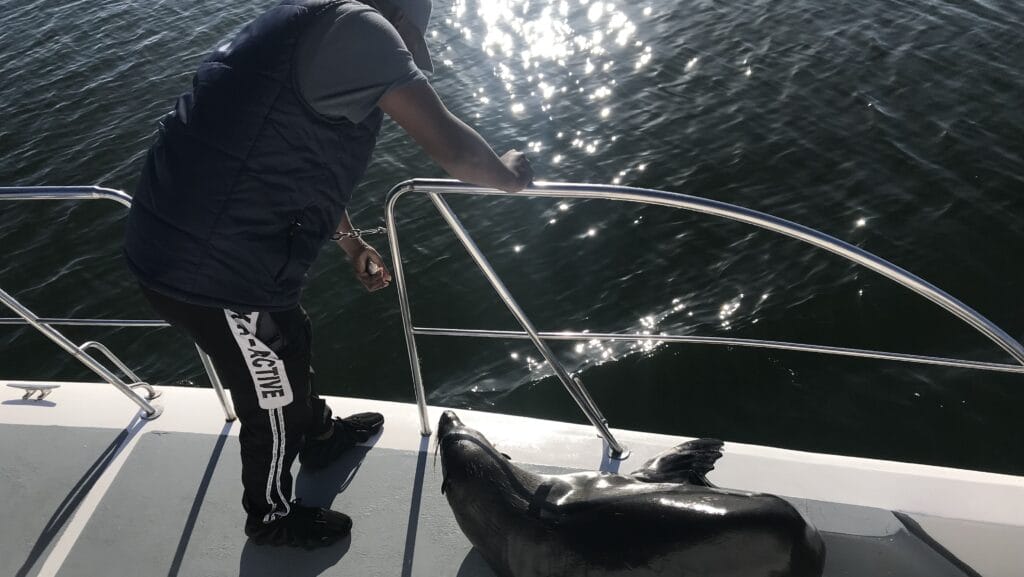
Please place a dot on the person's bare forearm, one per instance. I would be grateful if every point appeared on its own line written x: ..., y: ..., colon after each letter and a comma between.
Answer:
x: 469, y: 158
x: 456, y: 147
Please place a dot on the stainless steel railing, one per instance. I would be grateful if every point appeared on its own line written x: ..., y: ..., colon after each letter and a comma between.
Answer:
x: 65, y: 193
x: 81, y: 352
x: 150, y: 411
x: 436, y: 188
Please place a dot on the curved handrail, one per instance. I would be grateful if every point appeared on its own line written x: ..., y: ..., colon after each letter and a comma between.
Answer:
x: 739, y: 214
x: 612, y: 192
x: 64, y: 193
x: 435, y: 188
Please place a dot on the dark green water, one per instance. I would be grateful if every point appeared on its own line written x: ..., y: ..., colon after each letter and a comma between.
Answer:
x: 893, y: 125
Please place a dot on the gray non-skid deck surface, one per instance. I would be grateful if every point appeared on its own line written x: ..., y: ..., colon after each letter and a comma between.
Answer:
x: 44, y: 473
x: 174, y: 510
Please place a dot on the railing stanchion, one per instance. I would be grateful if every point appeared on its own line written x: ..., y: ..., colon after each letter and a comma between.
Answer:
x: 403, y: 303
x: 150, y: 411
x: 572, y: 384
x: 211, y: 372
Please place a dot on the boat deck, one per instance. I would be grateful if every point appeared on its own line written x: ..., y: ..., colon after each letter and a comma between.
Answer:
x: 89, y: 490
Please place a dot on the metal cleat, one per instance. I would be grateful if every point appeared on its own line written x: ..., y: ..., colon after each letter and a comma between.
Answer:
x: 43, y: 390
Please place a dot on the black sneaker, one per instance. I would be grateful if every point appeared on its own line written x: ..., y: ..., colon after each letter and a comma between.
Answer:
x: 318, y: 453
x: 307, y: 527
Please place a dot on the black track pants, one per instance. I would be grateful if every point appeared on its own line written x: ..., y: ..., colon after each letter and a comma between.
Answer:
x: 263, y: 358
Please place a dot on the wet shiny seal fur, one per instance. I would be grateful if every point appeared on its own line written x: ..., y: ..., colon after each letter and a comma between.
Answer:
x: 665, y: 519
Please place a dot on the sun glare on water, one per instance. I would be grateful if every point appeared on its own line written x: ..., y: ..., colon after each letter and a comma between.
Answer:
x: 553, y: 59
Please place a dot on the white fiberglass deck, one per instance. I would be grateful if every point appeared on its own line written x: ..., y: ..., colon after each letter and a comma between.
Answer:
x: 89, y: 490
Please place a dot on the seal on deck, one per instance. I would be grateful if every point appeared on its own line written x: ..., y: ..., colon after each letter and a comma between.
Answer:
x: 665, y: 519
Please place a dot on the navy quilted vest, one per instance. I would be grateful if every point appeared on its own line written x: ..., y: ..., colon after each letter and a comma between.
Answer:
x: 245, y: 182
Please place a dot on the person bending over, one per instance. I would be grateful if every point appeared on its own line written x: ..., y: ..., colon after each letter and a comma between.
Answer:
x: 249, y: 176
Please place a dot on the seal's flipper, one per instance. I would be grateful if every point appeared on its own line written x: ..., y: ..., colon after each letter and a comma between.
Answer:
x: 686, y: 463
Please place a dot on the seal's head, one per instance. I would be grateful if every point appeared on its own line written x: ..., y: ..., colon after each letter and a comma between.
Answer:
x: 456, y: 442
x: 486, y: 491
x: 469, y: 461
x: 449, y: 422
x: 465, y: 453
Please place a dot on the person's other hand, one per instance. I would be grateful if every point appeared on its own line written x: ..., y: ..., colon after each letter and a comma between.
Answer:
x: 370, y: 269
x: 521, y: 170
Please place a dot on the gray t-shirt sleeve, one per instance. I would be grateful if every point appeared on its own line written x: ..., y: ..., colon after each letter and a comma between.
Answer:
x: 348, y: 60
